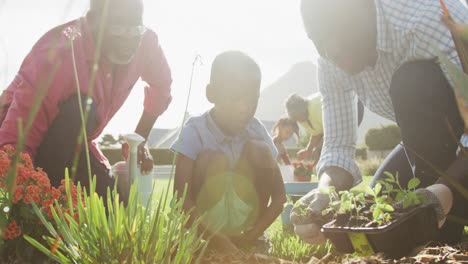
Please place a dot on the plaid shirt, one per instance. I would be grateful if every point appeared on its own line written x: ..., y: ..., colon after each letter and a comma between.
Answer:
x: 407, y: 30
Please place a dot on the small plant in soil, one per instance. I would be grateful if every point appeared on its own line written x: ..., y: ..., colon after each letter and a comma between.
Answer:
x: 303, y: 171
x: 380, y: 209
x: 346, y: 207
x: 405, y: 196
x: 378, y: 206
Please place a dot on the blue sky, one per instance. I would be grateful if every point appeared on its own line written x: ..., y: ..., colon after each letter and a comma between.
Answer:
x: 268, y: 30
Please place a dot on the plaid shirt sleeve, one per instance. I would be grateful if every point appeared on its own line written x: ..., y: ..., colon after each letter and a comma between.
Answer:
x: 339, y: 121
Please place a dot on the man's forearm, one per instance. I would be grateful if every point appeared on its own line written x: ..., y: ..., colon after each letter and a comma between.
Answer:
x: 145, y: 125
x: 337, y: 177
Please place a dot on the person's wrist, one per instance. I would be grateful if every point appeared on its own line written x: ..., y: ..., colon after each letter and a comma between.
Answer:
x: 336, y: 177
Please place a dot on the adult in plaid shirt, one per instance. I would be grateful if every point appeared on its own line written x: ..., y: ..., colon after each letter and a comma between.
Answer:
x: 382, y: 52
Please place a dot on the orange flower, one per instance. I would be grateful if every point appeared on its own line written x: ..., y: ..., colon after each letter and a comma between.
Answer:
x: 55, y: 246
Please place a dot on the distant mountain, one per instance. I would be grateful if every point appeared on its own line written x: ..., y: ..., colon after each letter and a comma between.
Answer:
x: 302, y: 79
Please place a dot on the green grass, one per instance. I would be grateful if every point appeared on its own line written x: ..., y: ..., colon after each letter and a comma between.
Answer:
x: 285, y: 244
x: 160, y: 186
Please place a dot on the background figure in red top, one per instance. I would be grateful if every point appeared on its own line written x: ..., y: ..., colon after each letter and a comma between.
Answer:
x: 101, y: 55
x: 282, y: 131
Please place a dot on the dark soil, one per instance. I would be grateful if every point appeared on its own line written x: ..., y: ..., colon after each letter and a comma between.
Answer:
x: 443, y: 254
x: 364, y: 219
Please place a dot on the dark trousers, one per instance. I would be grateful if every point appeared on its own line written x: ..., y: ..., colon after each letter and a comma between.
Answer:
x: 431, y: 125
x: 59, y: 148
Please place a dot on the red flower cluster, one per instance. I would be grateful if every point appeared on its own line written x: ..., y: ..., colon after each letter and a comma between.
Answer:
x: 303, y: 171
x: 31, y: 186
x: 12, y: 231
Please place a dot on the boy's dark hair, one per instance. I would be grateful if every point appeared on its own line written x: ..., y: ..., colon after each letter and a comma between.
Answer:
x: 284, y: 122
x: 230, y: 66
x: 296, y: 104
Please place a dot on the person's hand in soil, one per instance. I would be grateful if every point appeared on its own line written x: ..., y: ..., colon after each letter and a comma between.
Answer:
x: 145, y: 159
x: 307, y: 218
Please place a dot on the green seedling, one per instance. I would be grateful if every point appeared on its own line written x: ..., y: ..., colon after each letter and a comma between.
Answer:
x: 405, y: 196
x: 380, y: 208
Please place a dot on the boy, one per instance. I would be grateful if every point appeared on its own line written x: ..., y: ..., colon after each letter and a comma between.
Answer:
x: 226, y: 159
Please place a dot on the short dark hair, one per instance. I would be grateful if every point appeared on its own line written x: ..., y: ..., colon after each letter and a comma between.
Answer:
x: 296, y: 104
x: 230, y: 65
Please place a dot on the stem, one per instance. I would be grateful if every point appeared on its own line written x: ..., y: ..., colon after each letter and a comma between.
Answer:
x: 187, y: 101
x: 94, y: 69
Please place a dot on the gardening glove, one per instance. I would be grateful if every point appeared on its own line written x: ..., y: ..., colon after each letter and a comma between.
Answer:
x: 439, y: 196
x: 307, y: 218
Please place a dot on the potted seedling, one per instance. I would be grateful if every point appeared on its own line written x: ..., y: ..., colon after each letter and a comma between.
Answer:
x: 303, y: 171
x: 389, y: 219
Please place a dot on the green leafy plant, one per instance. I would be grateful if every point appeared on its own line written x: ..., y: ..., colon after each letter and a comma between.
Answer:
x: 380, y: 201
x: 118, y: 233
x: 380, y: 208
x: 404, y: 195
x: 344, y: 202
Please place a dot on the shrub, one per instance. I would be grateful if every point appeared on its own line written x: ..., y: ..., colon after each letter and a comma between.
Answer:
x: 384, y: 138
x: 369, y: 167
x: 361, y: 153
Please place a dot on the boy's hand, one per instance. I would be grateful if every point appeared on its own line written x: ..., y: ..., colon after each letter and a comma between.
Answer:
x: 307, y: 218
x: 145, y: 160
